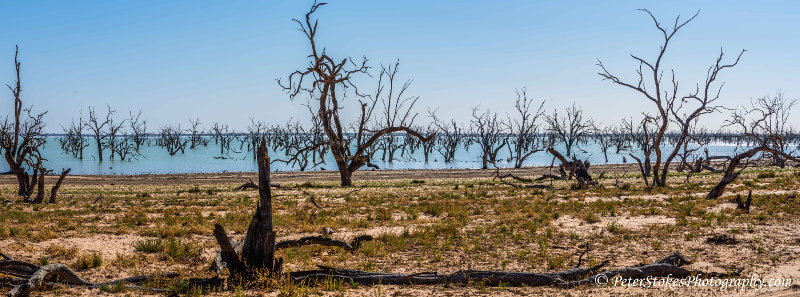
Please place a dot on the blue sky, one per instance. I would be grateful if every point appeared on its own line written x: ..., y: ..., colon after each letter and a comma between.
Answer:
x: 218, y: 60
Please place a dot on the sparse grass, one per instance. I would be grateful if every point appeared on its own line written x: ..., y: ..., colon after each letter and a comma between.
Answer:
x: 87, y: 261
x: 149, y: 246
x: 766, y: 174
x: 423, y: 225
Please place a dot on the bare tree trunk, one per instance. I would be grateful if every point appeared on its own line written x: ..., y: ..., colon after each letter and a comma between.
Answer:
x: 40, y: 187
x: 346, y: 176
x: 259, y: 243
x: 54, y: 191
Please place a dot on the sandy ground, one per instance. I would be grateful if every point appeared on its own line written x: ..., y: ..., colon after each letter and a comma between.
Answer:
x: 312, y: 176
x: 768, y: 247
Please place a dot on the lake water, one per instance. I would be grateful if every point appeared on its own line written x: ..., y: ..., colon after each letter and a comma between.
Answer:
x: 156, y: 160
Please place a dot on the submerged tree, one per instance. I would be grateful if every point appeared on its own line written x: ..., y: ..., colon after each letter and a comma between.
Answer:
x: 670, y: 107
x: 138, y: 130
x: 489, y: 132
x: 329, y: 79
x: 97, y: 126
x: 171, y: 139
x: 73, y: 142
x: 570, y: 129
x: 450, y: 136
x: 524, y: 129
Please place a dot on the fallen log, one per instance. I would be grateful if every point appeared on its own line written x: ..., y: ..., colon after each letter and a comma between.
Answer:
x: 28, y: 277
x: 565, y: 279
x: 309, y: 240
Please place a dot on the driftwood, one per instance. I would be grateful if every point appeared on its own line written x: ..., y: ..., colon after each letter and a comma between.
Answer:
x: 500, y: 177
x: 353, y: 245
x: 550, y: 176
x: 27, y: 277
x: 565, y: 279
x: 576, y: 168
x: 252, y: 185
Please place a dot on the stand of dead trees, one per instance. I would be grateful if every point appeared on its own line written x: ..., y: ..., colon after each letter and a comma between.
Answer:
x: 171, y: 139
x: 328, y: 79
x: 670, y: 107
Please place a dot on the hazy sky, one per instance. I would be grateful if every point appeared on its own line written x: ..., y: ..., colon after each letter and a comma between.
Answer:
x: 218, y: 60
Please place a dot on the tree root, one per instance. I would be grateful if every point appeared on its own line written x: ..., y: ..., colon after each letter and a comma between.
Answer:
x: 27, y: 277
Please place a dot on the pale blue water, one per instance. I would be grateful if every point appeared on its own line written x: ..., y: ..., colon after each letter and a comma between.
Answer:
x: 156, y: 160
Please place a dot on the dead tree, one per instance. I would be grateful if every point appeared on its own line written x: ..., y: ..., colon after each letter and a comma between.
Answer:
x: 524, y: 129
x: 97, y: 127
x: 73, y: 142
x: 570, y: 129
x: 412, y: 143
x: 171, y: 138
x: 112, y: 136
x: 257, y: 251
x: 196, y: 137
x: 300, y: 147
x: 396, y: 108
x: 21, y: 137
x: 222, y: 137
x: 329, y: 79
x: 755, y: 122
x: 604, y: 138
x: 639, y: 136
x: 779, y: 124
x: 450, y: 137
x: 490, y: 134
x: 124, y: 147
x: 670, y: 107
x: 138, y: 130
x: 256, y: 131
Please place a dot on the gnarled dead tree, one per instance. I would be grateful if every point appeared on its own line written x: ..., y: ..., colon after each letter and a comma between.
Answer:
x: 21, y: 137
x: 670, y: 107
x: 756, y: 123
x: 328, y: 79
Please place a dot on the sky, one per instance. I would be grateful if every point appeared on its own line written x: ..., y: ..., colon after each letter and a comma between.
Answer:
x: 219, y: 60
